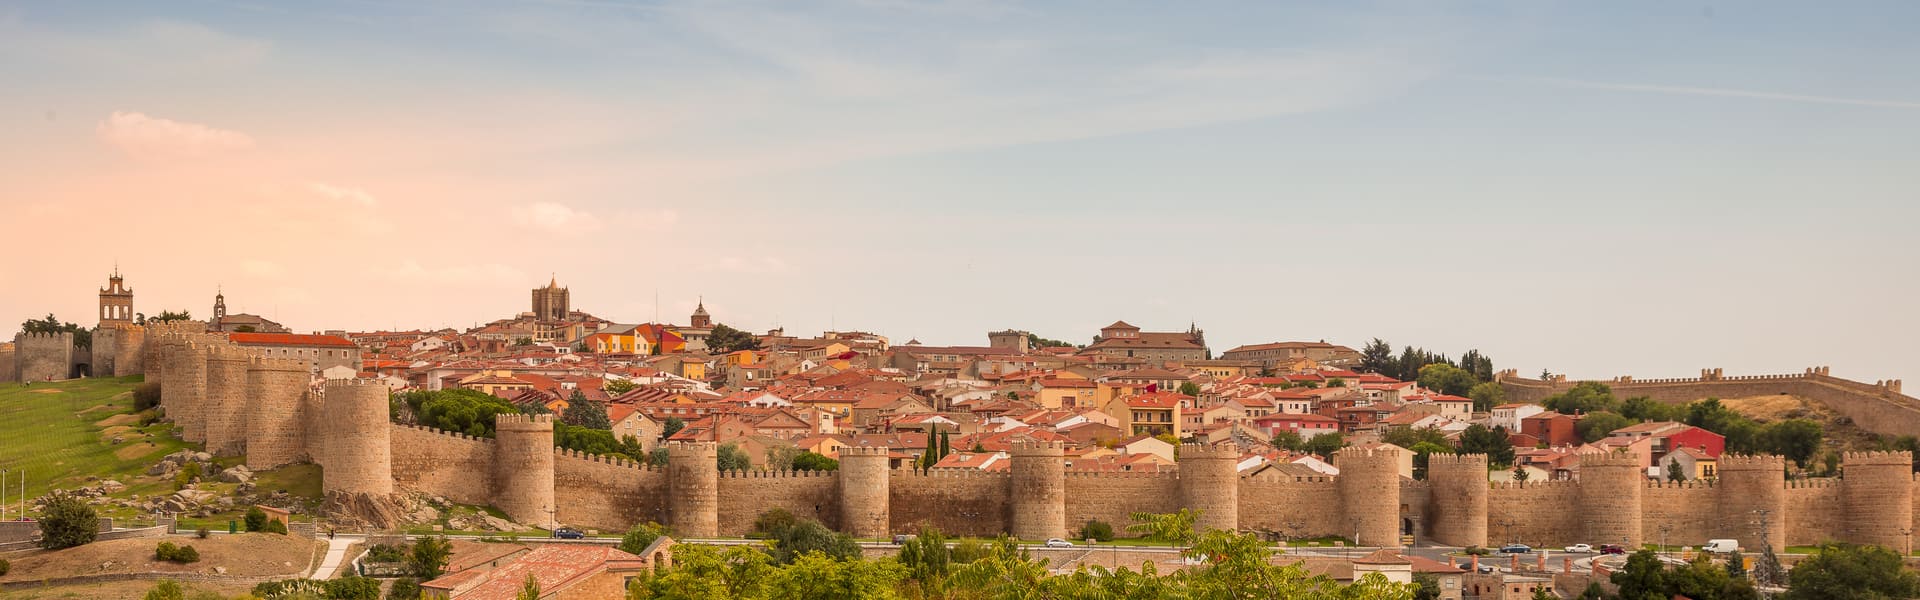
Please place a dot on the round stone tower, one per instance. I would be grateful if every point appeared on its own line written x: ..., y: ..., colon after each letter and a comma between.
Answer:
x: 1210, y: 483
x: 1039, y: 490
x: 1457, y: 515
x: 523, y: 467
x: 225, y: 408
x: 1747, y: 486
x: 189, y: 369
x: 359, y: 450
x: 1611, y: 486
x: 153, y: 357
x: 1369, y: 484
x: 693, y: 488
x: 864, y: 492
x: 1879, y: 497
x: 276, y: 419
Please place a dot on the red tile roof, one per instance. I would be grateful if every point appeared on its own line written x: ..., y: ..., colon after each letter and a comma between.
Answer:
x: 289, y: 339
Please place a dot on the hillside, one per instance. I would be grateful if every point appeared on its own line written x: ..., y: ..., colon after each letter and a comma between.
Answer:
x: 83, y: 433
x: 1841, y: 433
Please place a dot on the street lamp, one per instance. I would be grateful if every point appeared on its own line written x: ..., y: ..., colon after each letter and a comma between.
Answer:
x: 1663, y: 538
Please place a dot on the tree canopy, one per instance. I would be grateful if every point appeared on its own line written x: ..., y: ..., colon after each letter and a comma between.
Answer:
x: 82, y: 337
x: 726, y: 339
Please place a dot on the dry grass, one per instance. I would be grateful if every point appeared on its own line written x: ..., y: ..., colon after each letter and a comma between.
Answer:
x: 253, y: 554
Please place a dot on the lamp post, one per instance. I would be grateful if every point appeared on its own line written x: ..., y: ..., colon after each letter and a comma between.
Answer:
x: 1509, y: 523
x: 553, y: 521
x: 1907, y: 534
x: 1663, y: 538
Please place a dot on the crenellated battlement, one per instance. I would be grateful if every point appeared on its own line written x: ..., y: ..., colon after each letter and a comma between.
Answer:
x: 1604, y: 460
x: 1475, y: 461
x: 778, y: 474
x: 1661, y: 484
x: 1193, y: 451
x: 44, y: 336
x: 1901, y: 458
x: 228, y: 353
x: 1535, y: 485
x: 259, y: 363
x: 1752, y: 462
x: 858, y: 451
x: 1039, y: 448
x: 949, y: 474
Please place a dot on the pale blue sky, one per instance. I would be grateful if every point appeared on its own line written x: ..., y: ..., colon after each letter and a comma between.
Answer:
x: 1596, y: 188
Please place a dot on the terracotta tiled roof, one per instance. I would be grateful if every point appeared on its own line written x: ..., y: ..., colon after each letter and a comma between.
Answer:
x: 289, y: 339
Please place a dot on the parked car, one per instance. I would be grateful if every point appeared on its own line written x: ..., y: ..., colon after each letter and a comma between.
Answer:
x: 1580, y: 548
x: 569, y: 533
x: 1721, y: 546
x: 1612, y: 549
x: 900, y: 539
x: 1515, y: 549
x: 1059, y: 543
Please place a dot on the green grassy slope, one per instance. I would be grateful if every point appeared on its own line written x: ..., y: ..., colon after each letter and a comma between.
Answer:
x: 54, y: 433
x: 60, y: 435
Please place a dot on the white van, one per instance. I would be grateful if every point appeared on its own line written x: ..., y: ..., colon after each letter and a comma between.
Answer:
x: 1721, y: 546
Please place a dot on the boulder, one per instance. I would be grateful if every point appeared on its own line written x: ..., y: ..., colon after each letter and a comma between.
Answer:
x: 164, y: 467
x: 238, y: 474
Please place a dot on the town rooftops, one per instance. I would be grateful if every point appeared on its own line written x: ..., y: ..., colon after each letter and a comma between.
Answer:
x: 554, y: 567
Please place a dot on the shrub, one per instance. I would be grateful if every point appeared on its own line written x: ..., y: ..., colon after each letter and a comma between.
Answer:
x: 4, y: 567
x: 187, y: 474
x: 66, y: 522
x: 641, y: 536
x: 1097, y: 530
x: 179, y: 554
x: 256, y: 519
x: 146, y: 395
x: 353, y: 587
x: 275, y: 527
x: 405, y: 588
x: 772, y: 522
x: 167, y: 589
x: 300, y: 588
x: 387, y: 553
x: 203, y: 533
x: 429, y: 557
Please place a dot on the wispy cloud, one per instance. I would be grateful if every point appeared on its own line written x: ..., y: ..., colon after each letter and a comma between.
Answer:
x: 343, y: 194
x: 1727, y: 93
x: 143, y: 136
x: 554, y: 216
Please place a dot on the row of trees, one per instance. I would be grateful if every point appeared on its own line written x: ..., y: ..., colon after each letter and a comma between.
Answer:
x: 820, y: 564
x: 1378, y: 357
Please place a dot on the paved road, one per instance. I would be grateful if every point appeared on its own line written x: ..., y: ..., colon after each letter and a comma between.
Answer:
x: 336, y: 556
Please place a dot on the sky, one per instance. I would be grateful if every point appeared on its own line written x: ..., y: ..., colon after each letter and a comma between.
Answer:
x: 1597, y: 189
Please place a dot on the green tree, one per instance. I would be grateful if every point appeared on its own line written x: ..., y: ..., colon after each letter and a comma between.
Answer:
x: 1850, y: 571
x: 1097, y: 530
x: 67, y: 521
x: 615, y: 387
x: 772, y: 523
x: 429, y: 557
x: 582, y: 412
x: 726, y: 339
x: 1377, y: 357
x: 818, y: 576
x: 167, y: 589
x: 1700, y: 579
x: 1596, y: 426
x: 1486, y: 396
x: 640, y: 536
x: 1176, y: 527
x: 814, y: 461
x: 1289, y: 440
x: 1644, y: 577
x: 1520, y: 473
x: 529, y: 589
x: 1796, y: 439
x: 1642, y: 408
x: 1584, y: 397
x: 809, y: 536
x: 1406, y: 436
x: 1325, y: 444
x: 1541, y: 593
x: 404, y: 588
x: 1446, y: 378
x: 928, y: 559
x: 256, y: 519
x: 460, y: 410
x: 672, y: 426
x: 1189, y: 388
x: 353, y: 587
x: 1427, y: 587
x: 732, y: 458
x: 1423, y: 452
x: 82, y: 337
x: 523, y: 342
x: 1478, y: 439
x: 1674, y: 473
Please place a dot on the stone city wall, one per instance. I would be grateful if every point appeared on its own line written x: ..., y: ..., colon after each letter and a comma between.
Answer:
x: 1879, y: 407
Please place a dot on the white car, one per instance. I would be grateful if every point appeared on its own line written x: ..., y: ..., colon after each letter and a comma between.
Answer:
x: 1580, y: 548
x: 1059, y: 543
